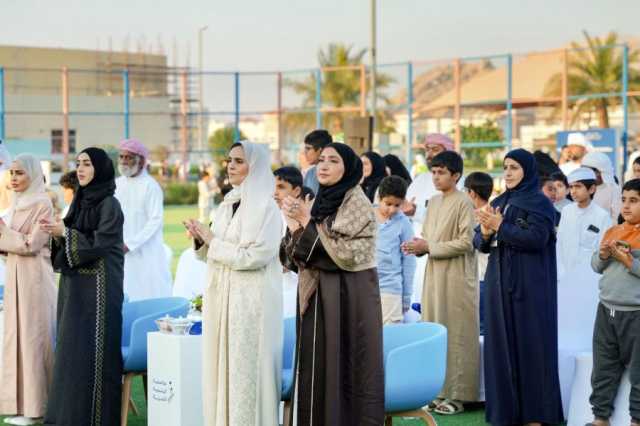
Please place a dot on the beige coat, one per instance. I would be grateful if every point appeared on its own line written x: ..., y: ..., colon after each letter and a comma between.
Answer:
x: 29, y: 314
x: 450, y: 295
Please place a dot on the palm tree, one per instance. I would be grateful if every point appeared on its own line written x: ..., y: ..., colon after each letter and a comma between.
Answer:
x: 597, y: 69
x: 340, y: 88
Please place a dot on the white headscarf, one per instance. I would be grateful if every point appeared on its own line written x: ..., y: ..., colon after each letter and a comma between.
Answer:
x: 601, y: 162
x: 35, y: 193
x: 255, y: 193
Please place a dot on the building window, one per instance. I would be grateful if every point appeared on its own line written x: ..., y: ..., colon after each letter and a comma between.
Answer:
x: 56, y: 141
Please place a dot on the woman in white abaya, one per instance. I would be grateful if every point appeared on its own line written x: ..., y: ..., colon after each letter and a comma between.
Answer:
x: 242, y: 305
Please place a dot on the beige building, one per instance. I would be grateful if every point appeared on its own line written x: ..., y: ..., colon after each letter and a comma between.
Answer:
x: 33, y: 88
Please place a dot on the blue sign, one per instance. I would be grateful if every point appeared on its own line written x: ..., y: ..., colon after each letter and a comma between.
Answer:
x: 602, y: 140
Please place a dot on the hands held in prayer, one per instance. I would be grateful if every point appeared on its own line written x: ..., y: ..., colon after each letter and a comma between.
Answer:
x: 55, y: 229
x: 416, y: 246
x: 490, y: 220
x: 605, y: 251
x: 3, y: 225
x: 198, y: 231
x: 297, y: 212
x: 409, y: 207
x: 619, y: 252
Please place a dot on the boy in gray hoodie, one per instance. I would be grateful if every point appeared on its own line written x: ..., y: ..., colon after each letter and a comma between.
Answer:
x: 616, y: 336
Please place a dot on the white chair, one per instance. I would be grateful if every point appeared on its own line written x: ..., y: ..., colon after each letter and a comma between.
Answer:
x: 191, y: 275
x: 577, y: 306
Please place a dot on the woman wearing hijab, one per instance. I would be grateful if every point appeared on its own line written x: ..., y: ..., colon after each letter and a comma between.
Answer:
x: 374, y: 170
x: 339, y: 368
x: 29, y: 296
x: 242, y: 316
x: 88, y: 252
x: 395, y: 167
x: 521, y: 338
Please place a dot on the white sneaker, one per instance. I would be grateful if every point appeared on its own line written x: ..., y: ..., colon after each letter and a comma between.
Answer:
x: 8, y: 420
x: 23, y: 421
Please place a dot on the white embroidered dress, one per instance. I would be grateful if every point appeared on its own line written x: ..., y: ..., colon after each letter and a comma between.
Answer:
x: 242, y: 305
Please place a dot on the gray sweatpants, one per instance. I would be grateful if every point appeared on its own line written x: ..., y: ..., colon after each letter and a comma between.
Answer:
x: 616, y: 346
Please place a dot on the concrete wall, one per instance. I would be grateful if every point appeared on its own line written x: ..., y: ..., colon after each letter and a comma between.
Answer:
x: 26, y: 119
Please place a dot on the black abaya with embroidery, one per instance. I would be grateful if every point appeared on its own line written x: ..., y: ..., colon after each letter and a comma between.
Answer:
x: 86, y: 387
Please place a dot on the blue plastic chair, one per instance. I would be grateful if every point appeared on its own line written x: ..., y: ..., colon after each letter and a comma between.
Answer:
x: 138, y: 319
x: 415, y: 363
x: 288, y: 364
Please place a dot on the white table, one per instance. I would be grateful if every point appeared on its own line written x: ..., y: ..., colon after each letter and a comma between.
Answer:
x: 580, y: 409
x: 174, y: 370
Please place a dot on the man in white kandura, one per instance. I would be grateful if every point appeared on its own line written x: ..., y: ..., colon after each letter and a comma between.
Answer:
x: 146, y: 271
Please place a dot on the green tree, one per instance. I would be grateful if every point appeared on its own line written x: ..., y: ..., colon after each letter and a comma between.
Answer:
x: 220, y: 142
x: 596, y: 69
x: 340, y: 88
x: 487, y: 132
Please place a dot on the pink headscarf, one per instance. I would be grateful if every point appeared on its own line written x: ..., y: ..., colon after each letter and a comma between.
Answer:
x: 439, y: 139
x: 134, y: 146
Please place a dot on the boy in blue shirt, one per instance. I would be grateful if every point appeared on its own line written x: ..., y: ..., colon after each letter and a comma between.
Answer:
x: 395, y: 269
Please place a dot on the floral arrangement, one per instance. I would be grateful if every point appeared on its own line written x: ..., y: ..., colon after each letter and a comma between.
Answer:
x: 196, y: 303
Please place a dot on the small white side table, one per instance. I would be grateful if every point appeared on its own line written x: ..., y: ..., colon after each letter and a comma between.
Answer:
x: 174, y: 371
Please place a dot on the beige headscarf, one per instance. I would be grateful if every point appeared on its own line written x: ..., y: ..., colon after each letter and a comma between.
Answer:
x: 35, y: 193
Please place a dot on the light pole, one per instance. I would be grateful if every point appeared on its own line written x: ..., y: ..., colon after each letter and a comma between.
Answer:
x: 200, y: 90
x: 374, y: 94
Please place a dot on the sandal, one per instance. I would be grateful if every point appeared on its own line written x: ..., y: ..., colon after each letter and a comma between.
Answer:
x: 434, y: 404
x: 449, y: 407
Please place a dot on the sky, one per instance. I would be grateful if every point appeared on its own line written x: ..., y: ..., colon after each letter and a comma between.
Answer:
x: 286, y: 34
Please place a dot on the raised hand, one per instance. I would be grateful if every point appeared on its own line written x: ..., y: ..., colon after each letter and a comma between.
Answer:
x: 298, y: 210
x: 417, y: 247
x: 55, y: 229
x: 490, y: 219
x: 409, y: 207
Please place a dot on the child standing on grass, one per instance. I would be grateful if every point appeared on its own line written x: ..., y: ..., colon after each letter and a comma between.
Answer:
x: 616, y: 336
x: 479, y: 187
x: 582, y: 225
x: 395, y: 269
x: 450, y: 294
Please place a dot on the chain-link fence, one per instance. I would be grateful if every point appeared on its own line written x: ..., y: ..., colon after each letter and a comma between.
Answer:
x: 487, y: 104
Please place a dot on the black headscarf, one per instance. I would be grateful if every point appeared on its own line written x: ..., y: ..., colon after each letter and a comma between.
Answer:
x: 378, y: 172
x: 527, y: 195
x: 545, y: 164
x: 329, y: 198
x: 83, y: 211
x: 397, y: 168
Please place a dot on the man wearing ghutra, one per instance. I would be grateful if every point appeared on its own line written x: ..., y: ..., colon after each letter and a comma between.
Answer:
x: 147, y: 274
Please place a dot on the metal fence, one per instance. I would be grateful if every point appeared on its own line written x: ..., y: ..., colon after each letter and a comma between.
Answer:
x: 522, y: 99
